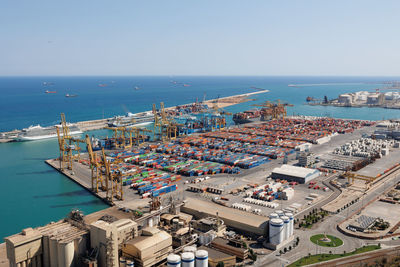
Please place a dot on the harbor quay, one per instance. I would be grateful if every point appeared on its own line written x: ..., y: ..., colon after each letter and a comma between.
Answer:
x: 221, y: 192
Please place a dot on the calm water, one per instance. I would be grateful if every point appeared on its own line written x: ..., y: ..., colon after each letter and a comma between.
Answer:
x: 33, y: 194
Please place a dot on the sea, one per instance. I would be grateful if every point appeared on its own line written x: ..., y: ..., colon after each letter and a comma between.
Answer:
x: 33, y: 194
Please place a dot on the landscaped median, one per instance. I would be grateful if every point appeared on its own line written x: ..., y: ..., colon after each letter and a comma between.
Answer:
x: 311, y: 259
x: 326, y: 240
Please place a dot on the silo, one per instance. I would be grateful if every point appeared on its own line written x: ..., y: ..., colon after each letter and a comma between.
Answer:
x: 280, y: 213
x: 173, y: 260
x: 187, y: 259
x: 202, y: 258
x: 286, y: 227
x: 276, y: 231
x: 122, y: 262
x: 65, y: 252
x: 273, y: 216
x: 192, y: 249
x: 291, y: 224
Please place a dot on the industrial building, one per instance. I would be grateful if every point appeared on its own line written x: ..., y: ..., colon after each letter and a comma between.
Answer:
x: 56, y: 244
x: 294, y: 173
x: 306, y: 159
x: 152, y: 247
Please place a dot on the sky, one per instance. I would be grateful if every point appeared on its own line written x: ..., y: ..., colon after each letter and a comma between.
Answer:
x: 182, y: 37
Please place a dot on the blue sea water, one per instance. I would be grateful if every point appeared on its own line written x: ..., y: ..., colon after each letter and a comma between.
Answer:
x: 33, y: 194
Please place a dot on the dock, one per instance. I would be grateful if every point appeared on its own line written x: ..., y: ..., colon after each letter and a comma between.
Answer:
x: 99, y: 124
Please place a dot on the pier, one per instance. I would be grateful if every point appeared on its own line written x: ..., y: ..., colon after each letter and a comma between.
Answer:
x: 98, y: 124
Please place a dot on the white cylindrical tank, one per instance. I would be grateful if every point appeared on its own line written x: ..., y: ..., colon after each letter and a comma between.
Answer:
x: 286, y: 227
x: 130, y: 263
x: 276, y: 231
x: 65, y: 253
x: 173, y: 260
x: 273, y: 216
x: 150, y: 222
x: 122, y: 262
x: 187, y: 259
x: 192, y: 249
x: 280, y: 213
x: 291, y: 224
x: 202, y: 258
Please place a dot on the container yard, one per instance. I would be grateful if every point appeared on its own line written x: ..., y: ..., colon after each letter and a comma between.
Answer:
x: 234, y: 156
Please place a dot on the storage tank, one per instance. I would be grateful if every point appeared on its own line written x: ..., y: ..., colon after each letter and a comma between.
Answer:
x: 187, y: 259
x: 65, y: 252
x: 173, y: 260
x: 202, y: 258
x: 276, y: 231
x: 280, y: 213
x: 286, y: 227
x: 150, y: 222
x: 122, y: 262
x: 130, y: 263
x: 192, y: 249
x: 291, y: 223
x: 273, y: 216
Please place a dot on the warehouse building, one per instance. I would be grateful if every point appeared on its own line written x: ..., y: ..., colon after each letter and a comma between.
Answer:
x: 293, y: 173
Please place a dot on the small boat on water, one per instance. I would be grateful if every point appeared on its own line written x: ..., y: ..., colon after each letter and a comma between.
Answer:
x: 102, y: 85
x: 68, y: 95
x: 50, y: 92
x: 136, y: 88
x: 186, y: 85
x: 47, y: 83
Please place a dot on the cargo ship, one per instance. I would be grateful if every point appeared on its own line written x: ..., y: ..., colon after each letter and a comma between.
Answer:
x: 38, y: 132
x: 131, y: 119
x: 247, y: 116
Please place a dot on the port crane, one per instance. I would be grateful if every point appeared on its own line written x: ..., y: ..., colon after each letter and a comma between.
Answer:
x: 96, y: 167
x: 68, y: 145
x: 165, y: 128
x: 126, y: 137
x: 351, y: 177
x: 273, y: 110
x: 113, y: 180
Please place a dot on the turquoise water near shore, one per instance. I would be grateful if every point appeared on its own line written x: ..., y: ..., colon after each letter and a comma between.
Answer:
x: 32, y: 193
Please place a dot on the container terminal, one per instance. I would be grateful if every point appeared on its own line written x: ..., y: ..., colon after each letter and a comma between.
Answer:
x: 236, y: 195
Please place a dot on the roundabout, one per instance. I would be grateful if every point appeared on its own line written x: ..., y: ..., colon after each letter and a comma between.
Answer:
x: 326, y: 240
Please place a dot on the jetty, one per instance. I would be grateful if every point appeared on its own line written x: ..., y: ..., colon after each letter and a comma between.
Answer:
x: 98, y: 124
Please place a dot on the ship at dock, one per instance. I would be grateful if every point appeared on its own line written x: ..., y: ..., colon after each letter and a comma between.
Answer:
x: 247, y: 116
x: 38, y: 132
x: 131, y: 119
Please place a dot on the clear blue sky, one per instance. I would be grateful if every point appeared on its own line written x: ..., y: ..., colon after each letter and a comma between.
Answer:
x: 183, y: 37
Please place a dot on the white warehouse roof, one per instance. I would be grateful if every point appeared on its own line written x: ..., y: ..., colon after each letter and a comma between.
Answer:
x: 295, y: 171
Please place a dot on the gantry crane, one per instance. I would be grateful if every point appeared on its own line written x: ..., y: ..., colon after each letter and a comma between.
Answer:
x: 273, y: 110
x: 96, y: 167
x: 67, y: 145
x: 165, y: 128
x: 351, y: 176
x: 133, y: 135
x: 113, y: 181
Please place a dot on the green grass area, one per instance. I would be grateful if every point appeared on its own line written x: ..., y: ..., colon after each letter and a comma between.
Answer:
x: 326, y: 257
x: 335, y: 242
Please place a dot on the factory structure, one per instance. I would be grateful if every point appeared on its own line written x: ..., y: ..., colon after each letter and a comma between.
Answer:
x: 295, y: 173
x: 220, y: 212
